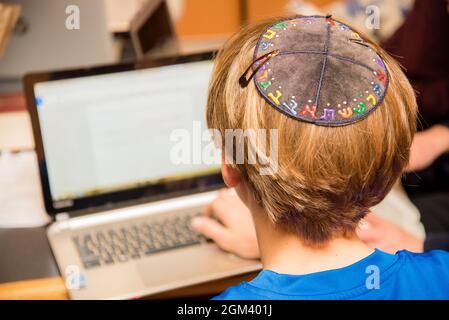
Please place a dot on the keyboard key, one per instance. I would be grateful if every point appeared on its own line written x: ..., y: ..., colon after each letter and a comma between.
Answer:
x: 105, y: 247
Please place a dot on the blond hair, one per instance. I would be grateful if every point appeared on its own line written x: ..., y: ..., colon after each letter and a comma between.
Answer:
x: 327, y: 177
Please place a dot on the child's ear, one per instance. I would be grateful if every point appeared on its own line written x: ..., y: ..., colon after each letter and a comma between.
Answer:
x: 231, y: 176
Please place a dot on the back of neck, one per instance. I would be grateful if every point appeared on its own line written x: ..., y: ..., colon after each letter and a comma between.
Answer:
x: 286, y: 253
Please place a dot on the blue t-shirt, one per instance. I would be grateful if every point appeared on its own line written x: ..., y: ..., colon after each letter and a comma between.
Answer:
x: 404, y: 275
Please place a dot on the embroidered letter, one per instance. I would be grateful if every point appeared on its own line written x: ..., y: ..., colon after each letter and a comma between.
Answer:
x: 291, y: 106
x: 328, y: 114
x: 263, y: 76
x: 355, y: 35
x: 377, y: 90
x: 361, y: 108
x: 280, y: 25
x: 343, y: 26
x: 372, y: 99
x: 264, y: 46
x: 382, y: 77
x: 345, y: 113
x: 379, y: 62
x: 275, y: 98
x: 269, y: 35
x: 308, y: 110
x: 265, y: 85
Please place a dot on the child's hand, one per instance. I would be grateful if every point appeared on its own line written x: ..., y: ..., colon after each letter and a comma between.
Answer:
x: 236, y: 231
x: 386, y: 236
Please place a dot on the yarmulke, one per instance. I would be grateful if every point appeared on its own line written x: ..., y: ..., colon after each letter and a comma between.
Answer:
x: 318, y: 70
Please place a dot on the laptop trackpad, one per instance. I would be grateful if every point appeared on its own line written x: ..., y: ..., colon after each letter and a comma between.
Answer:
x: 177, y: 268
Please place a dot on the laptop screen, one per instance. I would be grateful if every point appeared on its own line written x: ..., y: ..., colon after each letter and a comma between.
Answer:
x: 118, y: 131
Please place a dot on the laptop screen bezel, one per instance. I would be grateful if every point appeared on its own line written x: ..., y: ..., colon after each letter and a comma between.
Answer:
x: 140, y: 194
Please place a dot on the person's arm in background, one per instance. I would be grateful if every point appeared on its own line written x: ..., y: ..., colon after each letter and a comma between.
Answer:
x: 382, y: 234
x: 428, y: 145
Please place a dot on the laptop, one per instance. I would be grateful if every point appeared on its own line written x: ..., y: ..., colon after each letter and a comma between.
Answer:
x: 122, y: 175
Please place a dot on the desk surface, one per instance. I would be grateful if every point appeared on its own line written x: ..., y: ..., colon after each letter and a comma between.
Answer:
x: 28, y: 270
x: 54, y: 289
x: 25, y: 255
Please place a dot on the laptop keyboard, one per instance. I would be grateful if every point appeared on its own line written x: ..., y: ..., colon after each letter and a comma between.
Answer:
x: 134, y: 241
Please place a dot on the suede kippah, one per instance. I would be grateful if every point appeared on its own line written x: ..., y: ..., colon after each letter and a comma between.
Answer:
x: 316, y: 69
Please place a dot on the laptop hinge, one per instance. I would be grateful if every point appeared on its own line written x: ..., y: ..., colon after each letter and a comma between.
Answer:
x: 62, y: 221
x: 64, y: 216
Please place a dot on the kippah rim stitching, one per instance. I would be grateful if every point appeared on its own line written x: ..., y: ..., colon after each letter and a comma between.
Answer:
x: 323, y: 69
